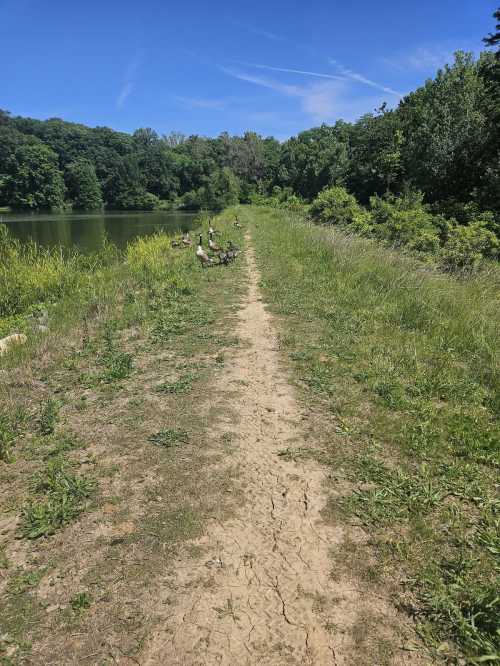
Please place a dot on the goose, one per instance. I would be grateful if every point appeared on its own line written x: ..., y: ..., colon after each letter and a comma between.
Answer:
x: 211, y: 230
x: 224, y: 258
x: 174, y: 243
x: 202, y: 255
x: 186, y: 240
x: 232, y: 251
x: 236, y: 223
x: 213, y: 246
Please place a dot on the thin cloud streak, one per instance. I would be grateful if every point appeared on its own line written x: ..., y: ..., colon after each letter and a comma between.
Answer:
x: 320, y: 75
x: 323, y: 101
x: 259, y: 32
x: 129, y: 80
x: 355, y: 76
x: 125, y: 92
x: 283, y: 88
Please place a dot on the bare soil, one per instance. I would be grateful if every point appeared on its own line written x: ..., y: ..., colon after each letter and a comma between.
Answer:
x: 265, y: 590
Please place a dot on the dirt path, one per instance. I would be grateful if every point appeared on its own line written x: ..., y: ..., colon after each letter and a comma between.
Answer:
x: 264, y: 594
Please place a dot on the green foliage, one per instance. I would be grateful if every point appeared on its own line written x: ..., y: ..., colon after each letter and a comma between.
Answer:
x: 221, y: 190
x: 168, y: 437
x: 466, y: 247
x: 180, y: 386
x: 8, y: 434
x: 48, y: 416
x: 117, y: 364
x: 420, y: 430
x: 444, y: 125
x: 35, y: 180
x: 336, y: 206
x: 81, y: 602
x: 404, y: 221
x: 31, y: 275
x: 83, y: 187
x: 60, y: 498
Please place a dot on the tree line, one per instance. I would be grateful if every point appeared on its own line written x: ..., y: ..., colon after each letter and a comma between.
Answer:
x: 443, y: 140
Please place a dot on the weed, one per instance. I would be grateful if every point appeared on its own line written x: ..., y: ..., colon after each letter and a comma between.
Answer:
x: 180, y: 386
x: 25, y: 580
x: 168, y: 437
x: 119, y: 365
x: 8, y: 435
x: 48, y: 416
x: 81, y: 602
x: 60, y: 499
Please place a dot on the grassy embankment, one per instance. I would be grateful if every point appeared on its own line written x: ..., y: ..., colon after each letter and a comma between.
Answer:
x: 105, y: 440
x: 403, y: 364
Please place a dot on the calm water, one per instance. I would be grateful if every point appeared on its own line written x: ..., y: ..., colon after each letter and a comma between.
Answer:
x: 87, y: 231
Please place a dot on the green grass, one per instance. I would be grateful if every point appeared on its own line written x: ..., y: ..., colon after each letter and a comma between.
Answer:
x: 81, y: 602
x: 48, y: 416
x: 182, y: 385
x: 59, y: 498
x: 147, y: 315
x: 404, y: 361
x: 168, y: 437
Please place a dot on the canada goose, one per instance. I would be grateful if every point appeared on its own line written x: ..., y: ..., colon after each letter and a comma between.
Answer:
x: 213, y: 246
x: 224, y: 258
x: 236, y: 223
x: 202, y: 255
x: 211, y: 230
x: 174, y: 243
x: 186, y: 240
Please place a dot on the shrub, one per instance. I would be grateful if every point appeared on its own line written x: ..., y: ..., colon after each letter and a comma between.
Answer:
x: 336, y: 206
x: 466, y: 247
x: 404, y: 221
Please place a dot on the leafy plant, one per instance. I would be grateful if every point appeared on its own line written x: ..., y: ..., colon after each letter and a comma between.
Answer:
x: 168, y: 437
x: 60, y: 498
x: 81, y: 602
x: 48, y: 416
x: 182, y: 385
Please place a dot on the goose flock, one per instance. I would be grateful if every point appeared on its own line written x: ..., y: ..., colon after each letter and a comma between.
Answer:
x: 215, y: 254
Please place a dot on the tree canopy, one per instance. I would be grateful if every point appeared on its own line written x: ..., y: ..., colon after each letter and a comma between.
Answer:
x: 442, y: 140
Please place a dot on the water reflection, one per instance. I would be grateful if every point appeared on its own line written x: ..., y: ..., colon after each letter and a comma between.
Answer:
x: 87, y: 231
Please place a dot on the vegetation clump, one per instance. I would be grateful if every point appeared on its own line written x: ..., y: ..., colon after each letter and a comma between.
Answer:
x: 60, y: 497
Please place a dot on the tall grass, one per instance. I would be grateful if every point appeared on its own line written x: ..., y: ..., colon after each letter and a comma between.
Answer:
x: 32, y: 276
x: 408, y: 360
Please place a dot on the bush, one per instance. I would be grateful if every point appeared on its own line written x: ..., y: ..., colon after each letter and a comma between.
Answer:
x: 336, y: 206
x: 466, y: 247
x: 404, y: 221
x: 137, y: 199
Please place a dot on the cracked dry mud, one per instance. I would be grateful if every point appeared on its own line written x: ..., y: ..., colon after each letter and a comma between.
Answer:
x: 265, y: 594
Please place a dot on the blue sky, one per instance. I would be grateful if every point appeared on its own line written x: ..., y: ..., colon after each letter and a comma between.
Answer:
x: 271, y: 66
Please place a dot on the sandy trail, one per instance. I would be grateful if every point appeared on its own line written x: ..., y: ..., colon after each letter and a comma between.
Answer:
x: 265, y: 594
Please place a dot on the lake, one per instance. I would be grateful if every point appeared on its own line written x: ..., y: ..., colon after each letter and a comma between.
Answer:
x: 87, y: 231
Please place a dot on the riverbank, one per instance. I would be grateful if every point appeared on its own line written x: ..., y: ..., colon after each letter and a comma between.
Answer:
x: 104, y: 432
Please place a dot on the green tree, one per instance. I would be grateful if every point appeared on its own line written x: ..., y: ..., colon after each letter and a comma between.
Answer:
x: 376, y: 143
x: 444, y: 125
x: 493, y: 38
x: 315, y: 159
x: 84, y: 189
x: 35, y: 181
